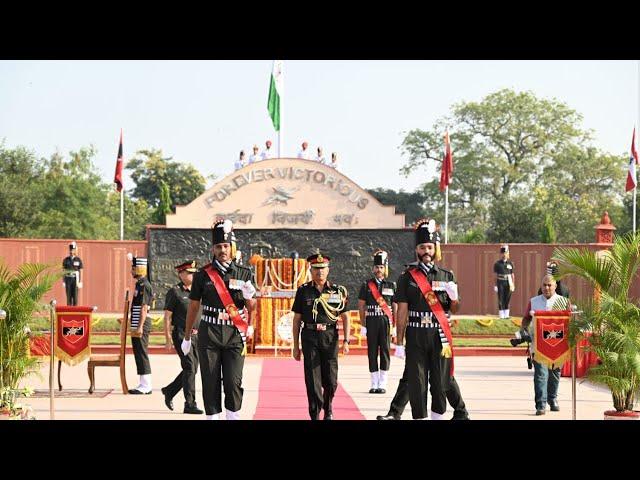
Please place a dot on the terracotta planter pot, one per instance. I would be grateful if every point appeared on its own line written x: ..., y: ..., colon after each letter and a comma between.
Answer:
x: 624, y: 415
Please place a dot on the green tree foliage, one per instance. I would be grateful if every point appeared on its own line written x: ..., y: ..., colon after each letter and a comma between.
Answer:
x: 20, y: 177
x: 548, y: 232
x: 411, y: 204
x: 516, y: 154
x: 164, y: 207
x: 150, y: 169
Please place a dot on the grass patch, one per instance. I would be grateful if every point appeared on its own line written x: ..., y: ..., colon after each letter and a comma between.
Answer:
x: 469, y: 326
x: 481, y: 342
x: 115, y: 340
x: 100, y: 323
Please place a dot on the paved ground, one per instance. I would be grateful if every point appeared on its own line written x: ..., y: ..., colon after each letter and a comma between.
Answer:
x: 494, y: 388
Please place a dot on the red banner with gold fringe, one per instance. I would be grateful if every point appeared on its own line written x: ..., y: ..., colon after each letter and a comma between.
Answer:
x: 73, y: 333
x: 551, y: 337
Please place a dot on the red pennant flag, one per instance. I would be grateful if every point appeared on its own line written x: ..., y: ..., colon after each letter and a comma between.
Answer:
x: 633, y: 161
x: 446, y: 174
x: 118, y: 177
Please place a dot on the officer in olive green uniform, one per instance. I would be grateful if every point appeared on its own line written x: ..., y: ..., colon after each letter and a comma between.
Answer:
x: 175, y: 312
x: 376, y: 324
x: 317, y: 307
x: 221, y: 343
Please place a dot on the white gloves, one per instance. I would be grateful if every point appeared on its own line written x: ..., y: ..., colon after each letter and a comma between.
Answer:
x: 250, y: 331
x: 79, y: 284
x: 248, y: 290
x: 185, y: 346
x: 394, y: 331
x: 495, y: 288
x: 399, y: 351
x: 452, y: 290
x: 363, y: 331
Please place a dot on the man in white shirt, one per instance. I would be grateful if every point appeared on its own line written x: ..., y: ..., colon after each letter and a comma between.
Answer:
x: 320, y: 156
x: 268, y: 153
x: 334, y: 161
x: 304, y: 153
x: 241, y: 162
x: 255, y: 156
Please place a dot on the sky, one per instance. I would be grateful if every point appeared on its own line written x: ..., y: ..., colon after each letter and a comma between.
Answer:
x: 205, y: 112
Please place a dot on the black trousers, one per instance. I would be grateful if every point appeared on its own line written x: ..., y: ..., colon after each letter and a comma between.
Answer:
x: 378, y: 342
x: 423, y: 365
x: 71, y: 287
x: 220, y: 349
x: 141, y: 349
x: 320, y: 350
x: 454, y: 397
x: 504, y: 294
x: 186, y: 379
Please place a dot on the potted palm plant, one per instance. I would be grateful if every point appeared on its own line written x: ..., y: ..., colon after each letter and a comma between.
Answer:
x: 21, y: 294
x: 611, y: 317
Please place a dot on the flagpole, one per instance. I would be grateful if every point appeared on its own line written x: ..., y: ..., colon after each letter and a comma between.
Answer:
x: 446, y: 215
x: 281, y: 94
x: 122, y: 214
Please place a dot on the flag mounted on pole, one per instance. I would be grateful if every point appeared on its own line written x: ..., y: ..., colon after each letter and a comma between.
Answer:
x: 118, y: 177
x: 633, y: 161
x: 446, y: 174
x: 275, y: 92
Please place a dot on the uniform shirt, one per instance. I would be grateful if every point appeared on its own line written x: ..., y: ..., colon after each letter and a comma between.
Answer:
x: 334, y: 165
x: 386, y: 288
x: 409, y: 292
x: 239, y: 164
x: 320, y: 159
x: 305, y: 297
x: 267, y: 154
x: 72, y: 262
x: 304, y: 154
x: 177, y: 302
x: 202, y: 288
x: 503, y: 268
x: 142, y: 295
x: 254, y: 158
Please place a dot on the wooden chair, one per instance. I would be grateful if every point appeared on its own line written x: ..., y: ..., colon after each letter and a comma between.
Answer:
x: 103, y: 360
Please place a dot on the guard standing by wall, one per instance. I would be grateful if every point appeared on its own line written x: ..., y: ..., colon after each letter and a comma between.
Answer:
x: 377, y: 312
x: 505, y: 281
x: 226, y: 293
x: 141, y: 324
x: 72, y: 279
x: 175, y: 313
x: 317, y: 306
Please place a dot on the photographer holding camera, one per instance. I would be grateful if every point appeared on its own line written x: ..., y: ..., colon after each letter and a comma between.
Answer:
x: 545, y: 380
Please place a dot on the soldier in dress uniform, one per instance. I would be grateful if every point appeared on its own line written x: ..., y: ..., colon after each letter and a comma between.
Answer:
x: 72, y: 279
x: 377, y: 312
x: 226, y: 293
x: 426, y: 294
x: 141, y: 324
x: 255, y: 156
x: 505, y: 281
x: 175, y: 312
x: 317, y: 307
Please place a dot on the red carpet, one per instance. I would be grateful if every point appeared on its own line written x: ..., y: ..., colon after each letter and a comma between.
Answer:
x: 283, y: 395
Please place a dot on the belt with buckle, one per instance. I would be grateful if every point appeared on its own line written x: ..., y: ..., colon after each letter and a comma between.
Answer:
x: 503, y: 277
x: 319, y: 326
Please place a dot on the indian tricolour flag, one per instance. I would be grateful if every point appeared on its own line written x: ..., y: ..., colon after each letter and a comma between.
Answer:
x: 275, y: 92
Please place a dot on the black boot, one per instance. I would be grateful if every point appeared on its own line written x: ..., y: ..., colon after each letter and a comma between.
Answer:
x: 192, y: 409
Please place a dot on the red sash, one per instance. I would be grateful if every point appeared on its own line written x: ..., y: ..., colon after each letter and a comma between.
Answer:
x: 381, y: 301
x: 435, y: 305
x: 225, y: 296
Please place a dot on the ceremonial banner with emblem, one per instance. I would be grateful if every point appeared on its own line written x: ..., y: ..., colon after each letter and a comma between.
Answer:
x: 552, y: 337
x: 73, y: 333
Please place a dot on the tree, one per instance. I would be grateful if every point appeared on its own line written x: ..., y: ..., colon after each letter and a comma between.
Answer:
x: 150, y: 169
x: 548, y: 232
x: 411, y: 204
x: 20, y: 178
x: 506, y: 148
x: 164, y: 207
x: 73, y: 198
x: 137, y: 215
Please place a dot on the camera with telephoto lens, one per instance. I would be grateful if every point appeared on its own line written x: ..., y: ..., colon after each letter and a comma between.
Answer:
x: 521, y: 336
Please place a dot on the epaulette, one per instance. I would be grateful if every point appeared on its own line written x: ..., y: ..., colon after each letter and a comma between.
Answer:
x: 308, y: 284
